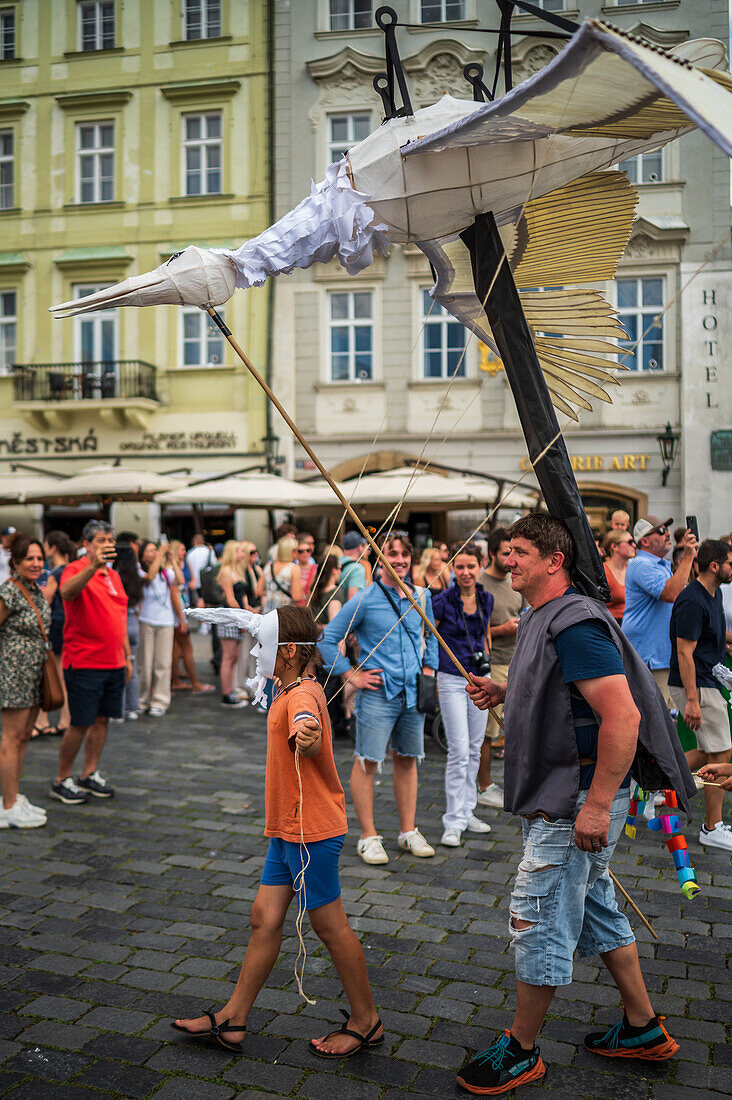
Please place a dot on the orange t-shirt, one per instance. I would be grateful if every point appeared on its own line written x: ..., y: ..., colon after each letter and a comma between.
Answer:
x: 323, y: 800
x: 616, y: 606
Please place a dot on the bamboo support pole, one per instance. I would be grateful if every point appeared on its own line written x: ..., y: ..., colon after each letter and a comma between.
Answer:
x: 218, y: 321
x: 632, y: 904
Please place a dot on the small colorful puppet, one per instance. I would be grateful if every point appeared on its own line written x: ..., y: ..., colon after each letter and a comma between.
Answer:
x: 667, y: 823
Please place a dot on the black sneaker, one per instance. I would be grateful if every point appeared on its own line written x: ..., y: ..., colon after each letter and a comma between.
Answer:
x: 502, y: 1067
x: 96, y: 785
x: 67, y: 791
x: 651, y: 1042
x: 233, y: 700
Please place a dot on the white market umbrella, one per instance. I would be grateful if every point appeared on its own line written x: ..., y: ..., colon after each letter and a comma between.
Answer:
x: 15, y: 487
x: 251, y: 490
x: 423, y: 489
x: 104, y: 481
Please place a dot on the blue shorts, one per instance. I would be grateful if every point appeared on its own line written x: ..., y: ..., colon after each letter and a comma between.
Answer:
x: 379, y: 720
x: 283, y: 864
x: 94, y: 693
x: 570, y: 903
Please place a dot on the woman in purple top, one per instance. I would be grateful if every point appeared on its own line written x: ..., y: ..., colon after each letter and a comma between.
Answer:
x: 462, y: 615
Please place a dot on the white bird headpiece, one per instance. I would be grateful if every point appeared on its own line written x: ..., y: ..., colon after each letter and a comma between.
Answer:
x: 263, y: 628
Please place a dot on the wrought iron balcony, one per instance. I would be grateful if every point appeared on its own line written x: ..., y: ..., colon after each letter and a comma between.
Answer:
x: 118, y: 380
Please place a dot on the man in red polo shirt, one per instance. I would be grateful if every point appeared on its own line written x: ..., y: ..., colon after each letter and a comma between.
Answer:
x: 97, y: 661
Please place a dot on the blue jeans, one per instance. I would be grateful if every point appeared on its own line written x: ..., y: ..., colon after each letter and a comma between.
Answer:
x: 131, y: 701
x: 568, y: 896
x: 379, y: 720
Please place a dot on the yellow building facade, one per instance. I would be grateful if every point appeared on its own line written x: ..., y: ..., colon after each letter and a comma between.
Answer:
x: 128, y: 129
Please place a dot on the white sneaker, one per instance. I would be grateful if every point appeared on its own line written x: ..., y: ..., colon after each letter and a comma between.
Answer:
x: 450, y: 838
x: 131, y: 716
x: 371, y: 850
x: 17, y: 817
x: 491, y: 796
x: 35, y: 811
x: 718, y: 837
x: 156, y: 712
x: 475, y: 825
x: 415, y: 843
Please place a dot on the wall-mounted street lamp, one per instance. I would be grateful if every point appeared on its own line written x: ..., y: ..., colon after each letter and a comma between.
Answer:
x: 271, y: 443
x: 668, y: 442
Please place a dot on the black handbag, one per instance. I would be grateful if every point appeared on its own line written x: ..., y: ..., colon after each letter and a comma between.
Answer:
x: 426, y: 685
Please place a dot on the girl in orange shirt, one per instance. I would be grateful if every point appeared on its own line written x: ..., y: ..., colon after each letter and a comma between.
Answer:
x: 298, y: 722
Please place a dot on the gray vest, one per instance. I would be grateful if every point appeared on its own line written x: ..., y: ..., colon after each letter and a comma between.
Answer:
x: 542, y: 764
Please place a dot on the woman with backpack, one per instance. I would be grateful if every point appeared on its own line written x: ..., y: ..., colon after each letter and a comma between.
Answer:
x: 160, y: 610
x: 282, y: 577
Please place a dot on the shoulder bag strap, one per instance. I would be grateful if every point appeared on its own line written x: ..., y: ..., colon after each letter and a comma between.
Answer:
x: 23, y: 589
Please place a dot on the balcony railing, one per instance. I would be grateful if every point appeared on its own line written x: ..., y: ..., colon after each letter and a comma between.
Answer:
x: 124, y: 379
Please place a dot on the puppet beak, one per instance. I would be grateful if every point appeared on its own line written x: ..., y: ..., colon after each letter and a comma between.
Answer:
x: 193, y: 277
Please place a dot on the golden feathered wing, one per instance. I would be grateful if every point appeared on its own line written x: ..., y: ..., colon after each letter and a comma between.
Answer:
x: 572, y: 236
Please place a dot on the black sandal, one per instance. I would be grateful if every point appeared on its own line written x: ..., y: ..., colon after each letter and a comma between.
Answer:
x: 215, y: 1032
x: 365, y: 1042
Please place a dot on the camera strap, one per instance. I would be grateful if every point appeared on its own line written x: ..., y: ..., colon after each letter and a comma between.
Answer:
x: 480, y: 614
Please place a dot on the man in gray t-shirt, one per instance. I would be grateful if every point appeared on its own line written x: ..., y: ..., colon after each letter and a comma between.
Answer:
x: 507, y: 605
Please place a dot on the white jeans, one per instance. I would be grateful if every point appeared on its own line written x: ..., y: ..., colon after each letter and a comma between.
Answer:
x: 464, y: 730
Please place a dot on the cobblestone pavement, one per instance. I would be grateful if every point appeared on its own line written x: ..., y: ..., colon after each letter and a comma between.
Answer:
x: 119, y: 915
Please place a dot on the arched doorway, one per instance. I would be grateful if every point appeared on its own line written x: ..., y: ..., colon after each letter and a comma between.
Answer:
x: 601, y: 498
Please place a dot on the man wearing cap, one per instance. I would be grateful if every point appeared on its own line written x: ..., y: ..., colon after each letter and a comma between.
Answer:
x: 5, y: 540
x: 650, y: 590
x: 353, y: 572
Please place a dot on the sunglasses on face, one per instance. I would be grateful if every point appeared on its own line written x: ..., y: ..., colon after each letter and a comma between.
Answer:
x: 661, y: 531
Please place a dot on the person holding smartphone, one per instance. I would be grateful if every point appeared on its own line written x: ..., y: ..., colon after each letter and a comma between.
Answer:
x: 97, y: 661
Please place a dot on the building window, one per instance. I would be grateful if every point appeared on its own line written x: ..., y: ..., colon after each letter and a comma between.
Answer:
x: 346, y: 130
x: 351, y: 324
x: 96, y: 25
x: 550, y: 5
x: 7, y: 170
x: 7, y: 34
x: 202, y: 153
x: 95, y: 160
x: 201, y: 19
x: 443, y: 341
x: 644, y: 168
x: 640, y: 309
x: 442, y: 11
x: 203, y: 343
x: 350, y: 15
x: 8, y: 329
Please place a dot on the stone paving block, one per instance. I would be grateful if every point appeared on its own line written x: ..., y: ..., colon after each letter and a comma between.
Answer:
x: 128, y: 1021
x: 195, y: 931
x: 431, y: 1053
x: 56, y: 1008
x: 103, y: 972
x: 447, y: 1009
x: 128, y: 1081
x: 201, y: 968
x: 181, y: 1088
x: 123, y: 1048
x: 52, y: 1065
x: 320, y: 1087
x: 191, y: 1057
x: 66, y: 1036
x: 435, y: 1081
x: 278, y: 1079
x: 108, y: 993
x: 7, y: 1048
x: 159, y: 980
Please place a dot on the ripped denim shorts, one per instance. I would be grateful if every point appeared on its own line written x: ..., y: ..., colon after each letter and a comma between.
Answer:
x: 568, y: 896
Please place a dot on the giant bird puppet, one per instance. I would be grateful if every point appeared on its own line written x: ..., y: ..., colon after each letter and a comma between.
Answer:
x: 504, y: 198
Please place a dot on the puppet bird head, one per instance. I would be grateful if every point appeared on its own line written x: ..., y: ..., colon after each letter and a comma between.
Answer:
x: 193, y: 277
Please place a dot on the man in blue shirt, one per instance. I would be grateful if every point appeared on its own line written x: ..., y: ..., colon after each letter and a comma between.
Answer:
x: 650, y: 590
x: 698, y: 641
x: 394, y: 648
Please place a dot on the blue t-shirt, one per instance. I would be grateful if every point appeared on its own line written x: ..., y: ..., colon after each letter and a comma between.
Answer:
x: 646, y: 618
x: 698, y: 617
x: 587, y: 651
